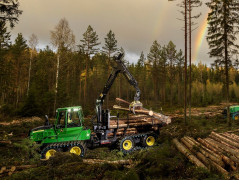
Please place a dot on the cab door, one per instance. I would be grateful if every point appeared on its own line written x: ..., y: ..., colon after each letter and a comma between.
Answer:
x: 74, y: 126
x: 61, y: 128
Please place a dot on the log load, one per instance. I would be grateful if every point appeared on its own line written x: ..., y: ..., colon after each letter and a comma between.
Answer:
x: 136, y: 120
x: 142, y: 114
x: 219, y: 151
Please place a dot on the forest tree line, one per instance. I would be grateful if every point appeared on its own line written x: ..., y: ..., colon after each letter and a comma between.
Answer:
x: 34, y: 82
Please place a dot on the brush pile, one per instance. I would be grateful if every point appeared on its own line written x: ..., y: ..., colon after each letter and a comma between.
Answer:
x: 219, y: 152
x: 135, y: 123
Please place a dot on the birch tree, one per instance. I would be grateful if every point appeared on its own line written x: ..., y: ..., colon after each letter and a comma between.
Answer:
x: 33, y: 41
x: 62, y: 38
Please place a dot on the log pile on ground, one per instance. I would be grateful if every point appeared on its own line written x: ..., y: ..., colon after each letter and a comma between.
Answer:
x: 12, y: 169
x: 219, y: 151
x: 209, y: 111
x: 133, y: 122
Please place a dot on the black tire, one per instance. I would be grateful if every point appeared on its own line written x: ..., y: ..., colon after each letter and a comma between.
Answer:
x: 48, y: 151
x: 79, y: 148
x: 127, y: 145
x: 149, y: 140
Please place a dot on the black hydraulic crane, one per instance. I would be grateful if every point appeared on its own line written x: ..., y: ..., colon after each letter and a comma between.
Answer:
x: 103, y: 116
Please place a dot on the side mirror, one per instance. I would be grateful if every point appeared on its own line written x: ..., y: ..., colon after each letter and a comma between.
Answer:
x: 47, y: 121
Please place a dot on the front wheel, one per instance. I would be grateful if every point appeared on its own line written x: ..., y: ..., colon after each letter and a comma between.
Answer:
x: 78, y: 149
x: 48, y: 152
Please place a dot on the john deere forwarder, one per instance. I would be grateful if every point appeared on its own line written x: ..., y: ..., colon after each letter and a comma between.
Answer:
x: 69, y: 134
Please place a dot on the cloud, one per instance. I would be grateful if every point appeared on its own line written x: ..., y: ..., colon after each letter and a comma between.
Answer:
x: 136, y: 23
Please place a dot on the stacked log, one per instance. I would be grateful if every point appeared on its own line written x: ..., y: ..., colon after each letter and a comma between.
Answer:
x: 219, y: 151
x: 136, y: 119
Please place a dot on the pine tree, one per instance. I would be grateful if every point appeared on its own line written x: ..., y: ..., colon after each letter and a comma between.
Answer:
x: 154, y: 58
x: 110, y: 44
x: 171, y: 57
x: 191, y: 5
x: 179, y: 67
x: 9, y: 11
x: 222, y: 31
x: 109, y: 48
x: 89, y: 47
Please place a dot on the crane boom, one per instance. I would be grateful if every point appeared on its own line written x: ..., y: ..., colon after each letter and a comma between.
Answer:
x: 120, y: 68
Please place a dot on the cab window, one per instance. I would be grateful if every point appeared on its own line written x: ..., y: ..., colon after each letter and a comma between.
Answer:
x: 73, y: 118
x: 61, y: 120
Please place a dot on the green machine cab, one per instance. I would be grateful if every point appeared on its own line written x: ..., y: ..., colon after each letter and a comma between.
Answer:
x: 67, y: 133
x: 234, y: 112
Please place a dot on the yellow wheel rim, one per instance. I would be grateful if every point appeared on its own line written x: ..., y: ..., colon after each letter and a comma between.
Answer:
x: 150, y: 141
x: 50, y: 153
x: 127, y: 145
x: 236, y: 117
x: 75, y: 150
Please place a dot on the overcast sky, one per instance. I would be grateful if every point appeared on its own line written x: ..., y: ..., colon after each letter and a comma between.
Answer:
x: 136, y: 23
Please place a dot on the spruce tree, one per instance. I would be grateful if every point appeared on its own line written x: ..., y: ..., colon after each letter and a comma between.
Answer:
x: 9, y: 11
x: 141, y: 60
x: 109, y: 47
x: 4, y: 36
x: 223, y: 28
x: 20, y: 55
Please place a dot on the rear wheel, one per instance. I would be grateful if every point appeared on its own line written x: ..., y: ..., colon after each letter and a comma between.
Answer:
x: 78, y: 149
x: 149, y: 140
x: 127, y: 144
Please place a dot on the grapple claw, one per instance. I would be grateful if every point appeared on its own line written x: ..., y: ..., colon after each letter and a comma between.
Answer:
x: 135, y: 104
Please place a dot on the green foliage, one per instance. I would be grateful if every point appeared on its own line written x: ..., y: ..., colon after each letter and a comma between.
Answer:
x: 89, y: 41
x: 28, y: 151
x: 10, y: 11
x: 110, y: 43
x: 82, y: 76
x: 30, y: 108
x: 222, y: 30
x: 5, y: 36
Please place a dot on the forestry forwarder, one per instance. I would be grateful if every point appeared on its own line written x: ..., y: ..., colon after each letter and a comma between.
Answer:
x: 69, y: 134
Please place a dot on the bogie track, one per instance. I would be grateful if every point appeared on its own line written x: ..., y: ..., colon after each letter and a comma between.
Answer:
x: 75, y: 147
x: 136, y: 142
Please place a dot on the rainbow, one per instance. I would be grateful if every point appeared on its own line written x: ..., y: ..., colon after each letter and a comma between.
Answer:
x: 161, y: 17
x: 200, y: 38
